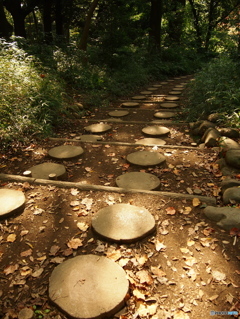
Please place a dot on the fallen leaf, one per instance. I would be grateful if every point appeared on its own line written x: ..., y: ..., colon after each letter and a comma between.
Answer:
x: 196, y: 202
x: 144, y: 277
x: 138, y: 294
x: 171, y: 211
x: 190, y: 261
x: 158, y: 272
x: 145, y: 310
x: 214, y: 297
x: 74, y: 203
x: 74, y: 191
x: 179, y: 314
x: 187, y: 210
x: 74, y: 243
x: 217, y: 275
x: 37, y: 273
x: 10, y: 269
x: 159, y: 246
x: 26, y: 253
x: 87, y: 202
x: 53, y: 250
x: 114, y: 254
x: 82, y: 226
x: 67, y: 252
x: 25, y: 271
x: 11, y: 238
x: 24, y: 233
x: 57, y: 260
x: 185, y: 250
x: 190, y: 243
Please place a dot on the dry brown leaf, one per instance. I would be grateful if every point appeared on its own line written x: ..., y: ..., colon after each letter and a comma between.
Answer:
x: 158, y: 272
x: 142, y: 259
x: 53, y: 250
x: 171, y: 211
x: 74, y: 191
x: 214, y: 297
x: 187, y: 210
x: 74, y: 203
x: 57, y: 260
x: 26, y: 253
x: 82, y: 226
x: 37, y: 273
x: 67, y: 252
x: 114, y: 255
x: 24, y: 232
x: 159, y: 246
x: 74, y: 243
x: 25, y: 271
x: 10, y: 269
x: 144, y: 277
x: 11, y: 238
x: 190, y: 261
x: 138, y: 294
x: 196, y: 202
x: 145, y: 310
x: 185, y: 250
x: 190, y: 243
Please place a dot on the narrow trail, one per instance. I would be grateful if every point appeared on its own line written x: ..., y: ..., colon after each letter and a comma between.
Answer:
x: 127, y: 184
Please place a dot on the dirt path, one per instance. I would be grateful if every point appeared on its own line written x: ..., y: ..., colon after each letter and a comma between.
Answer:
x: 186, y: 269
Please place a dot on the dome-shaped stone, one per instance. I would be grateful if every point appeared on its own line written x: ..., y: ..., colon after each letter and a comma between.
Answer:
x: 43, y: 170
x: 12, y: 201
x: 98, y: 128
x: 118, y: 113
x: 164, y: 115
x: 138, y: 180
x: 172, y: 98
x: 130, y: 104
x: 88, y: 287
x: 155, y: 130
x: 65, y: 152
x: 145, y: 158
x: 123, y: 223
x: 138, y: 97
x: 169, y: 105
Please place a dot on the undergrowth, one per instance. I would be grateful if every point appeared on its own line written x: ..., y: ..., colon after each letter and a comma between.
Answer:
x: 38, y: 81
x: 216, y: 88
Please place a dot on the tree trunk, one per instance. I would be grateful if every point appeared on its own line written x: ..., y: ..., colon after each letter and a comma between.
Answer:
x: 155, y: 25
x: 47, y: 21
x: 196, y: 25
x: 59, y: 17
x: 14, y: 7
x: 84, y: 38
x: 212, y: 7
x: 5, y: 27
x: 175, y: 23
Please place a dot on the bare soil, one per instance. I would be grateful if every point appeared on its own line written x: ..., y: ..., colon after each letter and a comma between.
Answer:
x: 187, y: 269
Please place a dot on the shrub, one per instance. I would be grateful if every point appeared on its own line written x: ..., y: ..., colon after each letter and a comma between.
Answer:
x: 216, y: 89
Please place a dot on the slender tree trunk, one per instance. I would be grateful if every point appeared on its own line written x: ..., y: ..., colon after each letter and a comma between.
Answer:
x: 47, y: 21
x: 14, y: 7
x: 175, y: 23
x: 196, y: 25
x: 84, y: 38
x: 59, y: 17
x: 5, y: 27
x: 155, y: 25
x: 212, y: 7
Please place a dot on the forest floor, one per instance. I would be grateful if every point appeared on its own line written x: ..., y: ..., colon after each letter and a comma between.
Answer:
x: 186, y: 269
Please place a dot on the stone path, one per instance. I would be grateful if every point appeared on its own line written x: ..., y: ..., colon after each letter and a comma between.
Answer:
x: 90, y: 286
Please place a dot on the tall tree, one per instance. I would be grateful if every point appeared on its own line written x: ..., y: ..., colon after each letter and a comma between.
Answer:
x: 5, y: 27
x: 85, y: 33
x: 19, y: 10
x: 155, y: 24
x: 176, y: 20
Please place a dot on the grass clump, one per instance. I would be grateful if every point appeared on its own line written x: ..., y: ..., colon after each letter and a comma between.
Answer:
x: 216, y: 88
x: 30, y: 97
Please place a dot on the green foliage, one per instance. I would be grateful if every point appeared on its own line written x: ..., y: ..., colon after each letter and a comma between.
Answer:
x: 30, y: 97
x: 216, y: 89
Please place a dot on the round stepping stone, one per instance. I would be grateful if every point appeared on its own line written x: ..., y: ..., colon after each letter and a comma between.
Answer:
x: 43, y: 171
x: 169, y: 105
x: 157, y: 85
x: 138, y: 180
x: 130, y: 104
x: 89, y: 138
x: 145, y: 158
x: 138, y: 97
x: 175, y: 92
x: 155, y: 130
x: 164, y: 82
x: 146, y: 92
x: 98, y: 128
x: 123, y: 223
x: 179, y: 86
x: 233, y: 158
x: 88, y: 286
x: 164, y: 115
x: 178, y: 89
x: 172, y: 98
x: 118, y: 113
x: 65, y: 152
x: 150, y: 140
x: 12, y: 201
